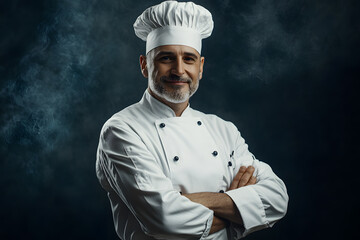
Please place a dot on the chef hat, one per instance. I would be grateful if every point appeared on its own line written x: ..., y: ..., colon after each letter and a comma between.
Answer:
x: 174, y: 23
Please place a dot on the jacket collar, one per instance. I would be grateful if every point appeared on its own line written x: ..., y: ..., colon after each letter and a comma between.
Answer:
x: 160, y: 109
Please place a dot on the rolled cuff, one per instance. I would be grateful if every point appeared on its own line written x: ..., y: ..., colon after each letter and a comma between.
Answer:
x: 208, y: 226
x: 251, y: 208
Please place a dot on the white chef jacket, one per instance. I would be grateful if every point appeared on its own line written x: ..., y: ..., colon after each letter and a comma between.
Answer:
x: 147, y: 157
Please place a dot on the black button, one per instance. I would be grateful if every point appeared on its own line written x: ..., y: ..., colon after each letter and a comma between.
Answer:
x: 221, y: 191
x: 162, y: 125
x: 176, y: 158
x: 229, y: 164
x: 232, y: 154
x: 215, y: 153
x: 199, y: 123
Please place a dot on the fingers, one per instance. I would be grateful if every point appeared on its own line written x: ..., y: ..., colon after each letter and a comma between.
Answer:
x: 244, y: 177
x: 237, y: 178
x: 251, y: 181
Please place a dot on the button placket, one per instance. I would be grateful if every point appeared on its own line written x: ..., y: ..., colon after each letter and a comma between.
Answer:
x: 179, y: 155
x: 230, y: 162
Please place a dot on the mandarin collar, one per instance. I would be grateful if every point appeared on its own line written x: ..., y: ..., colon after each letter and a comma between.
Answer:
x: 160, y: 109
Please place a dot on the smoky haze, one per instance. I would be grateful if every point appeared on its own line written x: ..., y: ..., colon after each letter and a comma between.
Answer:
x: 285, y: 72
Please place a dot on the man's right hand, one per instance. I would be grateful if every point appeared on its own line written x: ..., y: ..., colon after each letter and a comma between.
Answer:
x: 244, y: 177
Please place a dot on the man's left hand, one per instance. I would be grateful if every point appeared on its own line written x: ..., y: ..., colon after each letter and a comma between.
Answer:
x: 244, y: 177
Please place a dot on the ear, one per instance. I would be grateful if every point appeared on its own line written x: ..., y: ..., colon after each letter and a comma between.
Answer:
x: 202, y: 60
x: 143, y: 66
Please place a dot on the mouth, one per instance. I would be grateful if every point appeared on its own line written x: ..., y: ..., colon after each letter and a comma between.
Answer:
x: 176, y: 81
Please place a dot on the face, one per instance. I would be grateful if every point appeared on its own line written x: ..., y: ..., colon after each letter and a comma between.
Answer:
x: 173, y: 71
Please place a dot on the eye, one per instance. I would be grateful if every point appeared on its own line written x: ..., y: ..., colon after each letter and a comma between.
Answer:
x: 189, y: 59
x: 165, y: 59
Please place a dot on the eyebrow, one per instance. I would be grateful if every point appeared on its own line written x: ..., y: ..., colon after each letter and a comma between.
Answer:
x: 191, y: 54
x: 162, y: 53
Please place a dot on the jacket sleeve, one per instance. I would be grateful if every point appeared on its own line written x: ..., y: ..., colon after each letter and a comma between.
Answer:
x: 261, y: 205
x: 130, y: 170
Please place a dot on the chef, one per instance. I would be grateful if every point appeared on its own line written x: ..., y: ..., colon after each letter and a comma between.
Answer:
x: 172, y: 172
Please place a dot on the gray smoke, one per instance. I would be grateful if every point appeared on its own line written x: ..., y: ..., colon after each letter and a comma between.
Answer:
x: 270, y: 39
x: 269, y: 48
x: 81, y: 55
x: 49, y: 81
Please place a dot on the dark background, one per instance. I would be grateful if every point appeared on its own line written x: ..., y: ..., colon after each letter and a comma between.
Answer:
x: 286, y: 72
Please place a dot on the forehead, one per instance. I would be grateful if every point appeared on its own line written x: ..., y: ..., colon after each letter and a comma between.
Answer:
x: 176, y: 50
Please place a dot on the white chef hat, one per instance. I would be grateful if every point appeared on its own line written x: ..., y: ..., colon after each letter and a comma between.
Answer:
x: 174, y: 23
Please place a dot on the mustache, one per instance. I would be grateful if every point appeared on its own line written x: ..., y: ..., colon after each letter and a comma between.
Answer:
x: 175, y: 78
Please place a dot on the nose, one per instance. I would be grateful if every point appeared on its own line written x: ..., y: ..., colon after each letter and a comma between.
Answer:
x: 178, y: 68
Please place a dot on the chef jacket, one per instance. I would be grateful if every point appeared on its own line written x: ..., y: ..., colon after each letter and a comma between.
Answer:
x: 147, y: 157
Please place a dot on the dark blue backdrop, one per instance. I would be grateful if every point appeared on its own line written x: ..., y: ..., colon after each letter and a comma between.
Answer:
x: 286, y: 72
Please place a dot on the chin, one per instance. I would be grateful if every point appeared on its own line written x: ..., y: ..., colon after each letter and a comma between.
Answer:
x: 177, y: 99
x: 172, y: 95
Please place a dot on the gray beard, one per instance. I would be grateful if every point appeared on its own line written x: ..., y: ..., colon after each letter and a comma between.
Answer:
x: 174, y: 96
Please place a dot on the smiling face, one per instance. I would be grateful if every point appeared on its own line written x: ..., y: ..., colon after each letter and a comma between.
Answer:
x: 173, y: 71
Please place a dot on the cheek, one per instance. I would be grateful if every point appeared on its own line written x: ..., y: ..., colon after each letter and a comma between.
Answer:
x: 163, y: 68
x: 194, y: 71
x: 154, y: 75
x: 195, y: 74
x: 154, y: 72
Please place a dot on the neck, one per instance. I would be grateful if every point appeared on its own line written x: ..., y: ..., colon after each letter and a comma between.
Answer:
x: 178, y: 108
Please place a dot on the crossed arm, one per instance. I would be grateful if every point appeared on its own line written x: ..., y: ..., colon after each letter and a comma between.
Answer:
x: 223, y: 206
